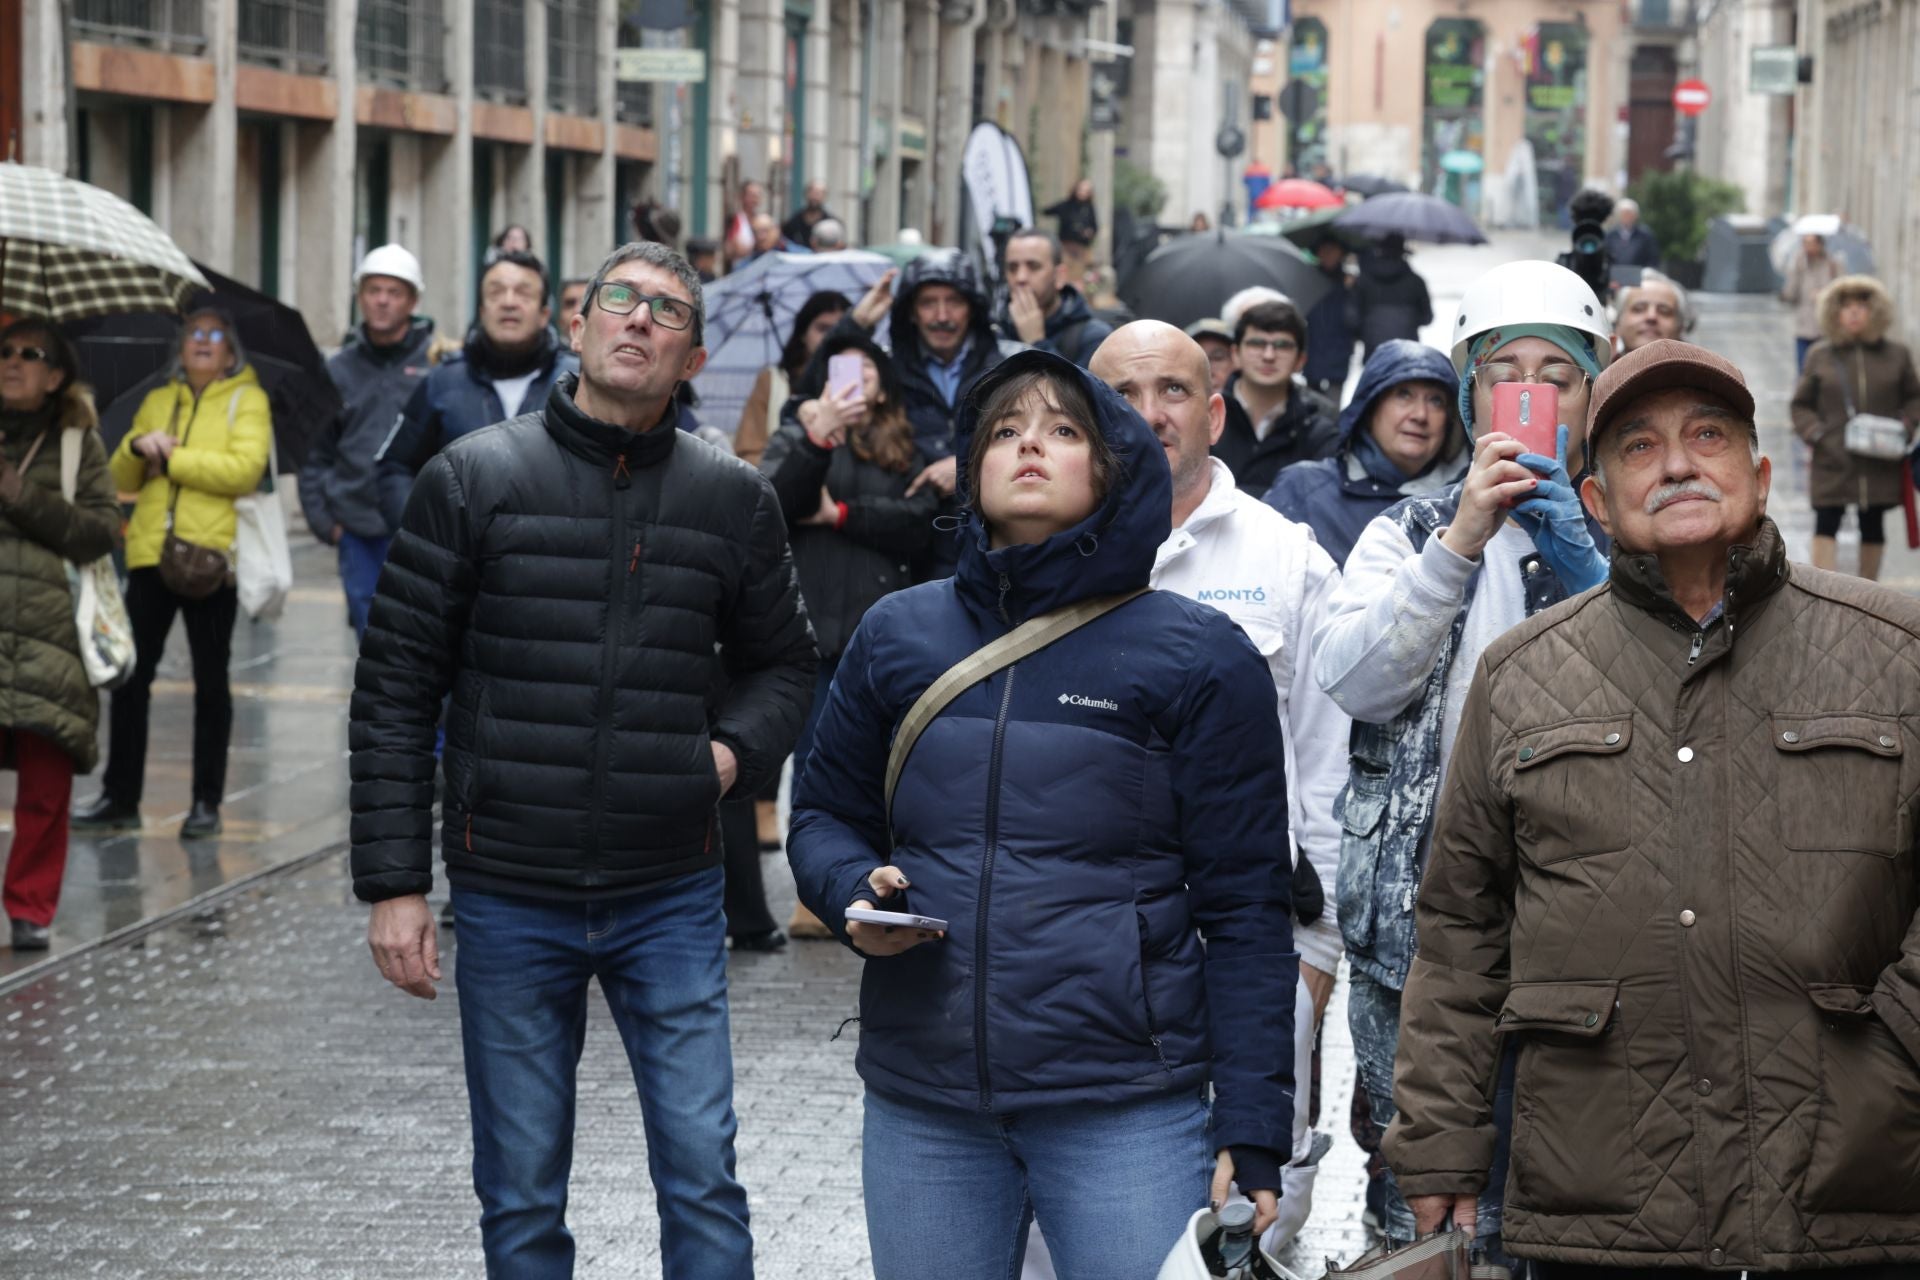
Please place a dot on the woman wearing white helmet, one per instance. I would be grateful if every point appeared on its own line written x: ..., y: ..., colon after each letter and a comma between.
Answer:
x: 1431, y: 582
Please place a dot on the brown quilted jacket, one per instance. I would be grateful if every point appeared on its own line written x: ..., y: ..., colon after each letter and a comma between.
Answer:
x: 1677, y: 867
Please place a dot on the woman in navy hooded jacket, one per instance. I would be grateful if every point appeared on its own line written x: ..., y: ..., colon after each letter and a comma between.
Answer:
x: 1400, y: 437
x: 1083, y: 820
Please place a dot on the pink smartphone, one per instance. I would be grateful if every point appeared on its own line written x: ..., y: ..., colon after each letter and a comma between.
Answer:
x: 1530, y: 413
x: 845, y: 372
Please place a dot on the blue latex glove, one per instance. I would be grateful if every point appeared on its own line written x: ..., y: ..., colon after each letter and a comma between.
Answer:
x: 1557, y: 523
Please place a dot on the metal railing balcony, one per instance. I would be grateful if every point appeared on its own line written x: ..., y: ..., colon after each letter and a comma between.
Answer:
x: 289, y: 34
x: 172, y: 25
x: 402, y: 43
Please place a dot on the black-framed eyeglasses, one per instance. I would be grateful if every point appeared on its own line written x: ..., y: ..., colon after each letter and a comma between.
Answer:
x: 29, y: 354
x: 1284, y: 346
x: 623, y: 299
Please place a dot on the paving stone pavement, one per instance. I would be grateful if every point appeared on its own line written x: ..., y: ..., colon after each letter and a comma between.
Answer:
x: 238, y: 1094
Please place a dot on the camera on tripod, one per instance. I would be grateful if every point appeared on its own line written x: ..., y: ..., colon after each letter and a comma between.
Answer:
x: 1588, y: 257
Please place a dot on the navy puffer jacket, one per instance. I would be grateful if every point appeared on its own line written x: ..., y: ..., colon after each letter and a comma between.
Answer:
x: 1335, y: 497
x: 1083, y: 820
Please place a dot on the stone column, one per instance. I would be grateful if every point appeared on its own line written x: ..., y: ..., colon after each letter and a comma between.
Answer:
x: 445, y: 246
x: 203, y: 155
x: 320, y: 166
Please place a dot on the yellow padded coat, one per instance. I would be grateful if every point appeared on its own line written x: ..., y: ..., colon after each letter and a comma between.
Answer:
x: 224, y: 436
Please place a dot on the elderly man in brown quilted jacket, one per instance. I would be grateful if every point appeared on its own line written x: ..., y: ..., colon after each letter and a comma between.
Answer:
x: 1675, y: 864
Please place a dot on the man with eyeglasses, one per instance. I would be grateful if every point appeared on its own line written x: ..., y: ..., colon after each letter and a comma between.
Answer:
x: 568, y: 577
x: 510, y: 362
x: 1273, y: 418
x: 1431, y: 583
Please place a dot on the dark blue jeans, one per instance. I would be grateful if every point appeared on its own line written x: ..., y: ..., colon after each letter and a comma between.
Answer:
x: 522, y: 970
x: 822, y: 683
x: 360, y: 561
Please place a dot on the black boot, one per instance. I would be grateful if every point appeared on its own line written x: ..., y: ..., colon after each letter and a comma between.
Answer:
x: 104, y: 813
x: 203, y: 822
x: 28, y: 936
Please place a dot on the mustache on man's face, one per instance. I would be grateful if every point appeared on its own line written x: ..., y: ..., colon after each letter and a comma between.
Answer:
x: 1666, y: 494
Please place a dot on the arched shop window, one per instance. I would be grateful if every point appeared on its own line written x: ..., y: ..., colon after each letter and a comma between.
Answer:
x: 1556, y: 62
x: 1454, y: 126
x: 1307, y: 124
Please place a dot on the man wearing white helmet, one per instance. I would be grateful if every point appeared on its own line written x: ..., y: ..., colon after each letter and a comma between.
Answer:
x: 383, y: 358
x: 1431, y: 582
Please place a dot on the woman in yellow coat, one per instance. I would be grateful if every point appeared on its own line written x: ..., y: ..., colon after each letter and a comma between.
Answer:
x: 197, y: 442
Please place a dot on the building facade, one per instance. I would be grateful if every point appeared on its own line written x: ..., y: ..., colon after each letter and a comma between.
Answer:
x: 277, y: 139
x: 1440, y: 95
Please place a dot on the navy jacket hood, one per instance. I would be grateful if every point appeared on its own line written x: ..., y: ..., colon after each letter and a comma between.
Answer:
x: 1110, y: 551
x: 1394, y: 362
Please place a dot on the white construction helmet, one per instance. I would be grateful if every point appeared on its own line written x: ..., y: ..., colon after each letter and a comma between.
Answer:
x: 391, y: 260
x: 1531, y: 292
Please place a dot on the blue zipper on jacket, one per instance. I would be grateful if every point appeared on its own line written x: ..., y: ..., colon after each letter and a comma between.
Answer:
x: 986, y: 894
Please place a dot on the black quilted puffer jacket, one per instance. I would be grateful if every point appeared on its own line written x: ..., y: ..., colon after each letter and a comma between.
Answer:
x: 567, y: 581
x: 1675, y: 866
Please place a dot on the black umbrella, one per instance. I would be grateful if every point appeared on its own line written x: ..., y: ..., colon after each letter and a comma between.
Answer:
x: 1413, y: 215
x: 1191, y: 277
x: 126, y: 356
x: 1368, y: 185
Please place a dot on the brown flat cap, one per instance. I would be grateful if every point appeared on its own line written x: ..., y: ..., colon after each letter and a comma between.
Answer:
x: 1664, y: 365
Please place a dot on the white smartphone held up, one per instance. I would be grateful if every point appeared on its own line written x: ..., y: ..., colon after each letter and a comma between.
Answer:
x: 899, y: 919
x: 845, y: 373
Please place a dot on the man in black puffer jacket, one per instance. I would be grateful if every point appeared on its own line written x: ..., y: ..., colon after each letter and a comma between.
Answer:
x: 567, y: 575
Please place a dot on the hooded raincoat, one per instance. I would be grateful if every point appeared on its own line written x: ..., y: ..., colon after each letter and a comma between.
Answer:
x: 1085, y: 819
x: 1337, y: 497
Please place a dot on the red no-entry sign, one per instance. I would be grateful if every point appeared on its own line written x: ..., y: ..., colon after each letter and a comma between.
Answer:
x: 1691, y: 97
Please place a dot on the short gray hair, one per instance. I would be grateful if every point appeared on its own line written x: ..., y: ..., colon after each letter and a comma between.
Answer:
x: 1682, y: 303
x: 653, y: 254
x: 828, y: 233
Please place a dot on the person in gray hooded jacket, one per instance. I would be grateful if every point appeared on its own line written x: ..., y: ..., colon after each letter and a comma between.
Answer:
x: 376, y: 369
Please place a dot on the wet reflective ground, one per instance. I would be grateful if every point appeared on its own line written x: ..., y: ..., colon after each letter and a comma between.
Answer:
x: 232, y: 1091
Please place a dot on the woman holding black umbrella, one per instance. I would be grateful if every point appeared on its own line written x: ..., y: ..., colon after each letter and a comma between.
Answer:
x: 199, y: 441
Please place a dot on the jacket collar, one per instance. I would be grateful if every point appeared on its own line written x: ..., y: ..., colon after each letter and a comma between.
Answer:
x: 1755, y: 571
x: 1221, y: 499
x: 603, y: 442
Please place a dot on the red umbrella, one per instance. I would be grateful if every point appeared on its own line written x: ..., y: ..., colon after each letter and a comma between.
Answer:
x: 1298, y: 193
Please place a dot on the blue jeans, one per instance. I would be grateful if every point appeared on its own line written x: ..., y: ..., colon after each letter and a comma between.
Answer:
x: 360, y: 561
x: 522, y: 969
x: 951, y: 1193
x: 1800, y: 348
x: 1373, y: 1015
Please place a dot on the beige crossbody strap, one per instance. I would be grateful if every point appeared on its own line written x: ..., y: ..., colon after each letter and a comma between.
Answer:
x: 1029, y: 637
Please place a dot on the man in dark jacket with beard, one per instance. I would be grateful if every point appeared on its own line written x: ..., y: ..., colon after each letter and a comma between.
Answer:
x: 509, y: 363
x: 376, y: 370
x: 1043, y: 310
x: 943, y: 340
x: 1389, y: 300
x: 567, y: 576
x: 1273, y: 419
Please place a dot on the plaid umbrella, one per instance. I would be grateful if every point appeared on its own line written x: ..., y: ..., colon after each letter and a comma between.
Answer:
x: 68, y: 250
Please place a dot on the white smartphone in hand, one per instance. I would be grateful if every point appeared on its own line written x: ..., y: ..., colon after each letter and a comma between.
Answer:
x: 846, y: 373
x: 899, y: 919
